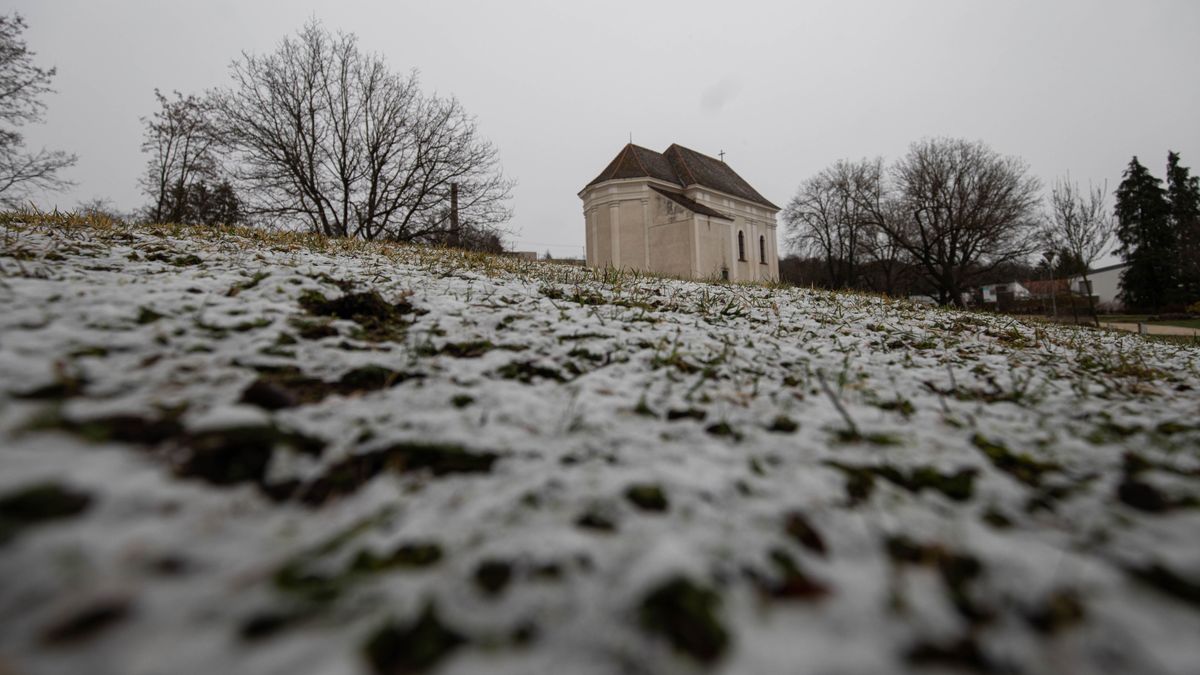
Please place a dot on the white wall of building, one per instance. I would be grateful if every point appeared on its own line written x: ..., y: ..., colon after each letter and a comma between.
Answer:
x: 1106, y: 286
x: 629, y: 225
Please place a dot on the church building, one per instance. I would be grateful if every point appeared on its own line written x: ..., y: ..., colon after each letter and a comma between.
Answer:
x: 679, y: 213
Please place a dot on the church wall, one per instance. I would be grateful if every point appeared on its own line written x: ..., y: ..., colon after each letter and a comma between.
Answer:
x: 619, y: 203
x: 670, y: 244
x: 752, y: 219
x: 743, y: 270
x: 633, y: 234
x: 666, y: 211
x: 714, y: 247
x: 681, y: 243
x: 602, y: 239
x: 670, y: 237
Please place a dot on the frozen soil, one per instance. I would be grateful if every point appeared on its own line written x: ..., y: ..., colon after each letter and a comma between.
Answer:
x: 226, y: 451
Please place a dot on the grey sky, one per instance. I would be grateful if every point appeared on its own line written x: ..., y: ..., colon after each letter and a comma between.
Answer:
x: 784, y: 88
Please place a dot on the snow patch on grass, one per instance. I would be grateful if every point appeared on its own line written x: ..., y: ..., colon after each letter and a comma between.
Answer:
x: 227, y: 450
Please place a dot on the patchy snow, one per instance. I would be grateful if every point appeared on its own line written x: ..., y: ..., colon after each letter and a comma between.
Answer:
x: 274, y: 455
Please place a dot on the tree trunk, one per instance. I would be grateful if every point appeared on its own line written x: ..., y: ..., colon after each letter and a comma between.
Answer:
x: 1087, y: 285
x: 455, y: 239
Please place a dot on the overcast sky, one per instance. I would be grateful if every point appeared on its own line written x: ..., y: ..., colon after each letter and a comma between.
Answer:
x: 784, y: 89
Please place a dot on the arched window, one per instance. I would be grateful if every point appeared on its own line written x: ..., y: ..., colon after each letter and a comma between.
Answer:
x: 762, y: 249
x: 741, y: 245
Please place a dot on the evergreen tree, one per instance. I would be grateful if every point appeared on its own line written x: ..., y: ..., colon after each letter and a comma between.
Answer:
x: 1068, y: 264
x: 199, y: 203
x: 1183, y: 195
x: 1147, y: 240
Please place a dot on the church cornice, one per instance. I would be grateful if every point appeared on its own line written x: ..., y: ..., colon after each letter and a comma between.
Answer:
x: 626, y: 181
x: 740, y: 200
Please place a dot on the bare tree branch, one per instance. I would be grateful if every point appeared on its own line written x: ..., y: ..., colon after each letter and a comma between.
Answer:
x: 1080, y: 224
x: 827, y: 218
x: 182, y: 143
x: 967, y: 211
x: 324, y: 135
x: 22, y: 85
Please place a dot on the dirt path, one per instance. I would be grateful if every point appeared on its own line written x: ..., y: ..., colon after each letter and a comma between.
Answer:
x: 1154, y: 329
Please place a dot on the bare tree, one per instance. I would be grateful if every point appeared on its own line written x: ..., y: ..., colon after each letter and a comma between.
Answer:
x: 826, y: 218
x: 1079, y: 225
x: 182, y: 143
x: 21, y: 86
x: 327, y: 136
x: 964, y: 211
x: 887, y: 262
x: 101, y: 208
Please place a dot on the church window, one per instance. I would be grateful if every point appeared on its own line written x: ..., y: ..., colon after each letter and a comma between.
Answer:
x: 741, y: 245
x: 762, y: 250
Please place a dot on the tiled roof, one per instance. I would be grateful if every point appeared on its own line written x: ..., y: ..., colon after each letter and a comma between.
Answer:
x: 683, y: 167
x: 695, y: 168
x: 637, y: 162
x: 1106, y: 269
x: 1046, y: 286
x: 691, y: 204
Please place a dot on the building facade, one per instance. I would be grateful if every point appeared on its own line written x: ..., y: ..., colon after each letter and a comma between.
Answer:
x: 679, y: 213
x: 991, y: 293
x: 1105, y: 284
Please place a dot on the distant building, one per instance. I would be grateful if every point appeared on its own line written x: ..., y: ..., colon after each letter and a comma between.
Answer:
x: 1105, y: 285
x: 574, y: 262
x: 680, y: 213
x: 1044, y: 288
x: 1012, y: 290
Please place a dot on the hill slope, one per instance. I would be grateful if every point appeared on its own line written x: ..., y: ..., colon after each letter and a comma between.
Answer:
x: 232, y: 452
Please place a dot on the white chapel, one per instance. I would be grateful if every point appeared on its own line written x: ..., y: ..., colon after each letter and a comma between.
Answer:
x: 680, y: 213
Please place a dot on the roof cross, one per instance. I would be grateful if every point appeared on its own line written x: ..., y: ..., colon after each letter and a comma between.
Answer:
x: 721, y: 154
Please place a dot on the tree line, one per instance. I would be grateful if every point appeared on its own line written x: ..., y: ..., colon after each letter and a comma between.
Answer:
x: 22, y: 84
x: 954, y: 214
x: 940, y: 218
x: 1159, y: 234
x: 318, y: 134
x: 322, y: 134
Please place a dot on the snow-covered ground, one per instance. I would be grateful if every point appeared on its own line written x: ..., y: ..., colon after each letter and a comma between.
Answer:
x: 228, y: 452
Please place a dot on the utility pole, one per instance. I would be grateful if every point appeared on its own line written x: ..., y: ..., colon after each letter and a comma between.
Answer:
x: 455, y: 236
x: 1049, y: 256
